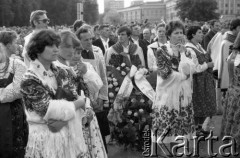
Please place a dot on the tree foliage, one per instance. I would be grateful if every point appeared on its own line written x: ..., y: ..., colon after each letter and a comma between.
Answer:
x: 112, y: 17
x: 90, y: 11
x: 197, y: 10
x: 60, y: 12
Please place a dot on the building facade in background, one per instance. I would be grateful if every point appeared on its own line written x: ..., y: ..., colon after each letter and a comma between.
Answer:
x: 113, y: 5
x: 153, y: 11
x: 165, y: 10
x: 171, y: 12
x: 228, y: 9
x: 136, y: 2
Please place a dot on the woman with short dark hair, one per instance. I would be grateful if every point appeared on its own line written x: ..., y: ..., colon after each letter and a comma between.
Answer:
x: 13, y: 124
x: 172, y: 107
x: 54, y: 128
x: 204, y: 95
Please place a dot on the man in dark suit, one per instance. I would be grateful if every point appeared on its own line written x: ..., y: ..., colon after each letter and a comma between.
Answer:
x: 135, y: 28
x: 215, y: 26
x: 104, y: 42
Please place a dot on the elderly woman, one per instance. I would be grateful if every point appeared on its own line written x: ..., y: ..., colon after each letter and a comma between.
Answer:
x: 13, y: 125
x: 204, y: 96
x: 172, y: 108
x: 85, y: 79
x: 55, y: 125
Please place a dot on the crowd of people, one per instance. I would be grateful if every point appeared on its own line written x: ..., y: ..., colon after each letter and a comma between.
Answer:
x: 64, y: 90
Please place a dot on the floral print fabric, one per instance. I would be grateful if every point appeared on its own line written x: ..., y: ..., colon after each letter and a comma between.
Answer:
x: 231, y: 115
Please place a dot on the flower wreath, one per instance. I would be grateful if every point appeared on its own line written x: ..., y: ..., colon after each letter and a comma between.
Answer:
x: 127, y: 127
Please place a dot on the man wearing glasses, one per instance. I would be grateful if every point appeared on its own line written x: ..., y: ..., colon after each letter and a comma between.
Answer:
x: 38, y: 21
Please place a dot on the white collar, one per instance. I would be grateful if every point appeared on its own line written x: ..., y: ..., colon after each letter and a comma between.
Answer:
x: 38, y: 68
x: 198, y: 47
x: 41, y: 73
x: 155, y: 45
x: 104, y: 41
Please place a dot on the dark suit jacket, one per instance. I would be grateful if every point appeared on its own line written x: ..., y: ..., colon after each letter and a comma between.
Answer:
x: 148, y: 43
x: 207, y: 38
x: 143, y: 45
x: 98, y: 43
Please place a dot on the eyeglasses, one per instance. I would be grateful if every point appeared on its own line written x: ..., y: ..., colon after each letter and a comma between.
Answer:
x: 45, y: 20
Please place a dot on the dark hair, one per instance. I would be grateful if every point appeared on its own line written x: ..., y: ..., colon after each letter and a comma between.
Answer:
x: 124, y: 28
x: 77, y: 24
x: 101, y: 27
x: 65, y: 35
x: 81, y: 31
x: 236, y: 44
x: 40, y: 40
x: 96, y: 27
x: 212, y: 22
x: 192, y: 30
x: 133, y: 25
x: 173, y: 25
x: 35, y: 16
x: 7, y: 37
x: 234, y: 24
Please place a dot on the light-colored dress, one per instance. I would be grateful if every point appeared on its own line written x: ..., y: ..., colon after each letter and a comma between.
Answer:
x: 39, y: 88
x: 223, y: 74
x: 99, y: 66
x: 92, y: 134
x: 172, y: 108
x: 231, y: 115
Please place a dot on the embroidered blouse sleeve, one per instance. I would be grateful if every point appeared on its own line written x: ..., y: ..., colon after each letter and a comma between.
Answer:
x: 198, y: 67
x: 35, y: 97
x: 12, y: 91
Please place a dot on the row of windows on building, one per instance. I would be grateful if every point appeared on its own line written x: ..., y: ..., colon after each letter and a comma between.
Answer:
x: 145, y: 12
x: 226, y: 5
x: 229, y: 12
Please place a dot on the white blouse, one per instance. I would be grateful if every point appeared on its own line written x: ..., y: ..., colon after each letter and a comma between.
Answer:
x: 198, y: 67
x: 12, y: 91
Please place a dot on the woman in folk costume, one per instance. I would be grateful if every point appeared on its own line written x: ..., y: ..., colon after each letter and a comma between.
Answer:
x: 230, y: 121
x: 161, y: 40
x: 55, y: 125
x: 13, y: 124
x: 172, y: 108
x: 204, y: 94
x: 87, y: 80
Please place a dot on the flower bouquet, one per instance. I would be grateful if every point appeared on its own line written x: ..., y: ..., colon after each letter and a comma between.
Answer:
x: 132, y: 116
